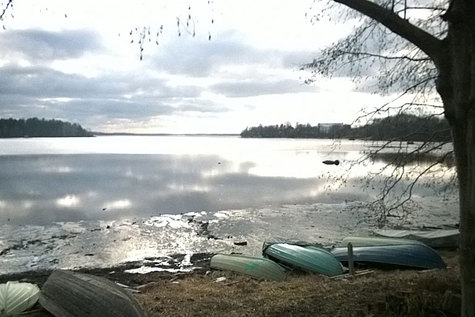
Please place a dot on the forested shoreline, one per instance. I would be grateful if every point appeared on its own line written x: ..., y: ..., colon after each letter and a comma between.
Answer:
x: 402, y: 127
x: 34, y: 127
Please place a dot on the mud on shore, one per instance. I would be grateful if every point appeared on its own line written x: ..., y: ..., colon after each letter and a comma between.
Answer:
x: 161, y: 268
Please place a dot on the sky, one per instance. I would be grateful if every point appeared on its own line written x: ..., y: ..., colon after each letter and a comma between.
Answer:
x: 236, y: 65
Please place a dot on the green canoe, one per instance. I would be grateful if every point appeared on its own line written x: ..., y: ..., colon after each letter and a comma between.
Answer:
x: 259, y: 268
x: 307, y: 258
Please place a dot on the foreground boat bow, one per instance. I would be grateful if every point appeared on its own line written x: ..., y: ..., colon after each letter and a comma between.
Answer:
x: 68, y: 294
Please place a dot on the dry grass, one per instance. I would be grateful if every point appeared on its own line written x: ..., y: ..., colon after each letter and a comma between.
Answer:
x: 381, y: 293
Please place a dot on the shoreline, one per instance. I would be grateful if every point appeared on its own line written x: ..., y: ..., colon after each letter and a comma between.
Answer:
x: 175, y: 242
x: 199, y: 263
x: 381, y: 291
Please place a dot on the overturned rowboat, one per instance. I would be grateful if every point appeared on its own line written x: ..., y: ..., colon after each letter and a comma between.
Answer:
x: 307, y: 258
x: 439, y: 238
x: 376, y: 241
x: 69, y: 294
x: 258, y: 268
x: 16, y: 297
x: 415, y: 255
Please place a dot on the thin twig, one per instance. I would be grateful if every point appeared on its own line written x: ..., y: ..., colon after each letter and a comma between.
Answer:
x: 404, y: 57
x: 9, y: 3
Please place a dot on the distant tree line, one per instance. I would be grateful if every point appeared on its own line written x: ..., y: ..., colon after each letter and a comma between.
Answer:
x: 402, y: 127
x: 34, y: 127
x: 300, y: 131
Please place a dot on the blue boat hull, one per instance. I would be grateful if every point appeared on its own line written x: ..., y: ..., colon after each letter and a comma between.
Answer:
x: 409, y: 255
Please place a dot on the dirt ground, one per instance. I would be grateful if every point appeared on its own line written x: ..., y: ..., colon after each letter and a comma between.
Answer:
x: 376, y: 292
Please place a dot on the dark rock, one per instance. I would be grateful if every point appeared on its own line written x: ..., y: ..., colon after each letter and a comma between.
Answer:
x: 330, y: 162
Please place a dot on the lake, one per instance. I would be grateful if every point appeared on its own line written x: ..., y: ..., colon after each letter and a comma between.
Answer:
x: 158, y: 194
x: 70, y: 179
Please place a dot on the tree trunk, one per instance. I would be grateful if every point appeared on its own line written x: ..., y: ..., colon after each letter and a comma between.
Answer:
x: 457, y: 88
x: 454, y: 57
x: 464, y: 145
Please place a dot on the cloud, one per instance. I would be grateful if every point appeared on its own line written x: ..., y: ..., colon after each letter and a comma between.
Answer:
x: 197, y: 57
x: 202, y: 106
x: 41, y: 45
x: 43, y: 92
x: 249, y: 88
x: 190, y: 78
x: 43, y: 82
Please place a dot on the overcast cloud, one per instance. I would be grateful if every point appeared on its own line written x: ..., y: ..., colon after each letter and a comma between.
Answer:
x: 69, y: 67
x: 41, y: 45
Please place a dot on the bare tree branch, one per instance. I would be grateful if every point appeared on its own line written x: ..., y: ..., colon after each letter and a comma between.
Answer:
x: 9, y: 3
x: 412, y: 59
x: 409, y: 190
x: 422, y: 8
x: 425, y: 41
x: 384, y: 106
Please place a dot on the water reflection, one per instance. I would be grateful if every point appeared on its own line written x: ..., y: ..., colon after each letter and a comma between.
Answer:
x: 50, y: 180
x: 110, y: 186
x: 103, y: 201
x: 413, y: 159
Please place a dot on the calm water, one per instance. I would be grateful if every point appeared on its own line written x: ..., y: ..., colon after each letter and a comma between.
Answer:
x: 46, y: 180
x: 54, y: 179
x: 75, y: 202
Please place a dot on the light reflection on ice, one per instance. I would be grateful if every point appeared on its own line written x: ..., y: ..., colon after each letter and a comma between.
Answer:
x: 72, y: 227
x: 148, y: 269
x: 68, y: 201
x: 188, y: 188
x: 118, y: 204
x: 57, y: 169
x: 172, y: 221
x: 152, y: 240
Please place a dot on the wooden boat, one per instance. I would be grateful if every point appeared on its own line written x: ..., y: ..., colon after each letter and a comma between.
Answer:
x: 441, y: 238
x: 259, y: 268
x: 69, y: 294
x: 307, y: 258
x: 416, y: 255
